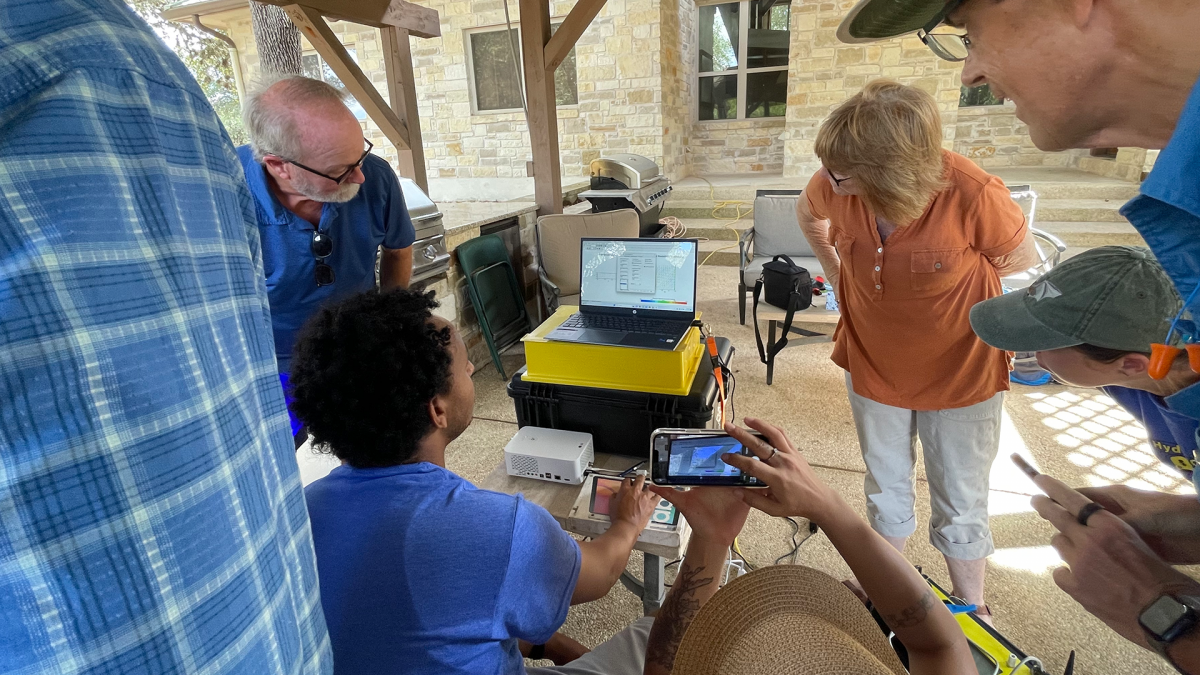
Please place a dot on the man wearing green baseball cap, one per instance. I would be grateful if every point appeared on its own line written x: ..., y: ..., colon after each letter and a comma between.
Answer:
x: 1091, y: 321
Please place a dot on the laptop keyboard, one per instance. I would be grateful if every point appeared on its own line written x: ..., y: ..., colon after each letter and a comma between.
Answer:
x: 629, y: 324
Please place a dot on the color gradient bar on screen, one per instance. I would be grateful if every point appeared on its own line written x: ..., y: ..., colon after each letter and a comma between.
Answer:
x: 664, y: 302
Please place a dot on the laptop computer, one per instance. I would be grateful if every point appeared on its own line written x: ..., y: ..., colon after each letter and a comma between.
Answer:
x: 633, y: 293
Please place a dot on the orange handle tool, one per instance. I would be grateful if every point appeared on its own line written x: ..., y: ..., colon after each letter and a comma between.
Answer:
x: 716, y: 363
x: 1162, y: 357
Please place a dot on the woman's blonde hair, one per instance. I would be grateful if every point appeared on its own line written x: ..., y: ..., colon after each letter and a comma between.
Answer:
x: 889, y: 138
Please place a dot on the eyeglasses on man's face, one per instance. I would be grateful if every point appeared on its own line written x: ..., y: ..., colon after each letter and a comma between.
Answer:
x: 340, y: 178
x: 946, y: 43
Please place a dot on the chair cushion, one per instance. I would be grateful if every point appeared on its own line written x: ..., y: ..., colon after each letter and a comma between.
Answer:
x: 754, y: 268
x: 776, y: 229
x: 558, y: 241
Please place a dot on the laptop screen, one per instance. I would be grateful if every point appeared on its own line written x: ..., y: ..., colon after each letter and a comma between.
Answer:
x: 655, y: 274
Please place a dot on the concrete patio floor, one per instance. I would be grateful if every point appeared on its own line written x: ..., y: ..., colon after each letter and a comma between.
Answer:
x: 1076, y: 435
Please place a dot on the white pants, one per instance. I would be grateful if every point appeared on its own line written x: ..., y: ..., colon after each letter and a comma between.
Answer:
x: 960, y: 445
x: 622, y: 654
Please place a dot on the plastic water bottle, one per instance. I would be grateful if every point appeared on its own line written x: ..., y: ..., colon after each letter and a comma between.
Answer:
x: 830, y: 301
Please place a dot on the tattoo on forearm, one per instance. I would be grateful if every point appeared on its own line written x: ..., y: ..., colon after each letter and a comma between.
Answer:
x: 673, y: 619
x: 913, y: 614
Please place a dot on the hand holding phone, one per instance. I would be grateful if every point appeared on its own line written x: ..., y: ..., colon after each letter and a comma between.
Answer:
x: 795, y: 489
x: 693, y: 457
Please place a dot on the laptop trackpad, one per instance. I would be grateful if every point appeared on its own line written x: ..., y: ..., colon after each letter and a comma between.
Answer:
x: 644, y: 340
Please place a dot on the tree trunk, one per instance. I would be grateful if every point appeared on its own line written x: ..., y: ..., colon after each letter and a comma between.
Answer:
x: 277, y: 38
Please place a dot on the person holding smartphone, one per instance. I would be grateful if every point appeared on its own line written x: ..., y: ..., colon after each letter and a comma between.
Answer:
x: 935, y: 642
x: 1119, y: 575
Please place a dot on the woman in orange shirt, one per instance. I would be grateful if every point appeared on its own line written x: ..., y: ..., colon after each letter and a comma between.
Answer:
x: 912, y: 236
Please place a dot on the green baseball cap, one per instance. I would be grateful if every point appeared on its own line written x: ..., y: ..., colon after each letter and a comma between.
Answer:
x: 872, y: 20
x: 1116, y: 297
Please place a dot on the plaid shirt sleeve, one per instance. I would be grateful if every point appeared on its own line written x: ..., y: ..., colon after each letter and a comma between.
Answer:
x: 151, y: 513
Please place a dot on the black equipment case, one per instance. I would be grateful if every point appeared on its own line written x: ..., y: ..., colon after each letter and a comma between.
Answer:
x: 620, y: 422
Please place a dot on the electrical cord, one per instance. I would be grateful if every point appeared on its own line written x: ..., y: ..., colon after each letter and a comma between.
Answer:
x: 812, y: 529
x: 737, y: 204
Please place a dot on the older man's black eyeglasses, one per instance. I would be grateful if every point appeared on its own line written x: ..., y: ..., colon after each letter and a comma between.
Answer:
x: 946, y: 45
x: 345, y: 174
x: 322, y: 248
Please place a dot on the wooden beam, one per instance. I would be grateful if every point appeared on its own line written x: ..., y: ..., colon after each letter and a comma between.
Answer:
x: 417, y: 20
x: 402, y: 90
x: 568, y: 33
x: 539, y: 102
x: 309, y: 21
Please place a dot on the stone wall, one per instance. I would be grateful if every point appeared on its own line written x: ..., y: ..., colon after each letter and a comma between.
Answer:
x: 1129, y: 165
x: 741, y: 146
x: 993, y: 137
x: 677, y: 28
x: 636, y: 72
x: 620, y: 105
x: 823, y: 72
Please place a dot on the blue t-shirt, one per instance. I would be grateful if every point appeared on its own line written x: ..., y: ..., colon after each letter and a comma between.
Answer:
x: 1172, y: 435
x: 422, y: 572
x: 377, y: 215
x: 1167, y: 215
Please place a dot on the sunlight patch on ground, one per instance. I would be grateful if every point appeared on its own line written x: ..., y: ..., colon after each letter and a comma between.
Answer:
x: 1032, y: 559
x: 1006, y: 476
x: 1100, y: 436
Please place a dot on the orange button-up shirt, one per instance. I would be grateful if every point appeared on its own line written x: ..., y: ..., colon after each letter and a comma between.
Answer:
x: 905, y: 332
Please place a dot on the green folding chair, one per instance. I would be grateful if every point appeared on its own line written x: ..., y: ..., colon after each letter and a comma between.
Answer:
x: 495, y: 294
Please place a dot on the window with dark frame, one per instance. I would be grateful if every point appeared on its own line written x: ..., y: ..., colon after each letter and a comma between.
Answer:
x: 743, y: 59
x: 496, y: 78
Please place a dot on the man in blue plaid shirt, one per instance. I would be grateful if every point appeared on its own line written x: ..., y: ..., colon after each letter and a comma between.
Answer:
x: 151, y: 515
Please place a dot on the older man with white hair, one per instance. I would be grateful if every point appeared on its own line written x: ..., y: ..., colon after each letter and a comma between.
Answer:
x: 324, y: 204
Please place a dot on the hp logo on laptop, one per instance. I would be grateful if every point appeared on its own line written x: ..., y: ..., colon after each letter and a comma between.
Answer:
x: 635, y: 311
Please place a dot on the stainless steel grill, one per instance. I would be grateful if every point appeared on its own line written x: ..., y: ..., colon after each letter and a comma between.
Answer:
x: 626, y: 181
x: 429, y: 250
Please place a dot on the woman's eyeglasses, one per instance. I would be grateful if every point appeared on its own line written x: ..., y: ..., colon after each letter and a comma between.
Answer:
x: 837, y: 181
x: 322, y: 248
x: 345, y: 174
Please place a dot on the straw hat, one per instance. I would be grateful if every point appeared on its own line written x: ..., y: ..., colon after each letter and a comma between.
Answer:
x: 785, y: 620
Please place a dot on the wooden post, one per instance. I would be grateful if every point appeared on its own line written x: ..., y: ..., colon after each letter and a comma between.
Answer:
x: 323, y: 39
x: 564, y: 39
x: 539, y: 102
x: 402, y: 90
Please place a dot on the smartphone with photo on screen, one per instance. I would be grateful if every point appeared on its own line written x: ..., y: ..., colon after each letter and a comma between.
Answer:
x: 692, y: 457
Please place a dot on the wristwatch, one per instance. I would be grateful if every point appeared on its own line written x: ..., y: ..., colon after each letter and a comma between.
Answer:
x: 1167, y: 619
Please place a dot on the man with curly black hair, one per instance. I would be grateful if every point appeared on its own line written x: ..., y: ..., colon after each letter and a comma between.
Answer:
x: 420, y: 571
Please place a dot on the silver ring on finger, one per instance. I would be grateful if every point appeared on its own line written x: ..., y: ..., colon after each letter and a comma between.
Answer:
x: 774, y: 451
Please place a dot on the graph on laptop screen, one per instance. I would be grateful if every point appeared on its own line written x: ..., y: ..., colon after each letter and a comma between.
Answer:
x: 657, y: 274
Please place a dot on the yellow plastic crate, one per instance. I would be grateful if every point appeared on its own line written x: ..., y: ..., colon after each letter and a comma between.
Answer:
x: 582, y: 365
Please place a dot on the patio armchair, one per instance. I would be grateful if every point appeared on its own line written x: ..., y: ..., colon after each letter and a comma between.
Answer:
x: 775, y: 231
x: 1049, y: 247
x: 558, y: 241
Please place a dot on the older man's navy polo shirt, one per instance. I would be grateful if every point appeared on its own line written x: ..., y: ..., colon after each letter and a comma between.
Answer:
x: 377, y: 215
x: 1167, y: 215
